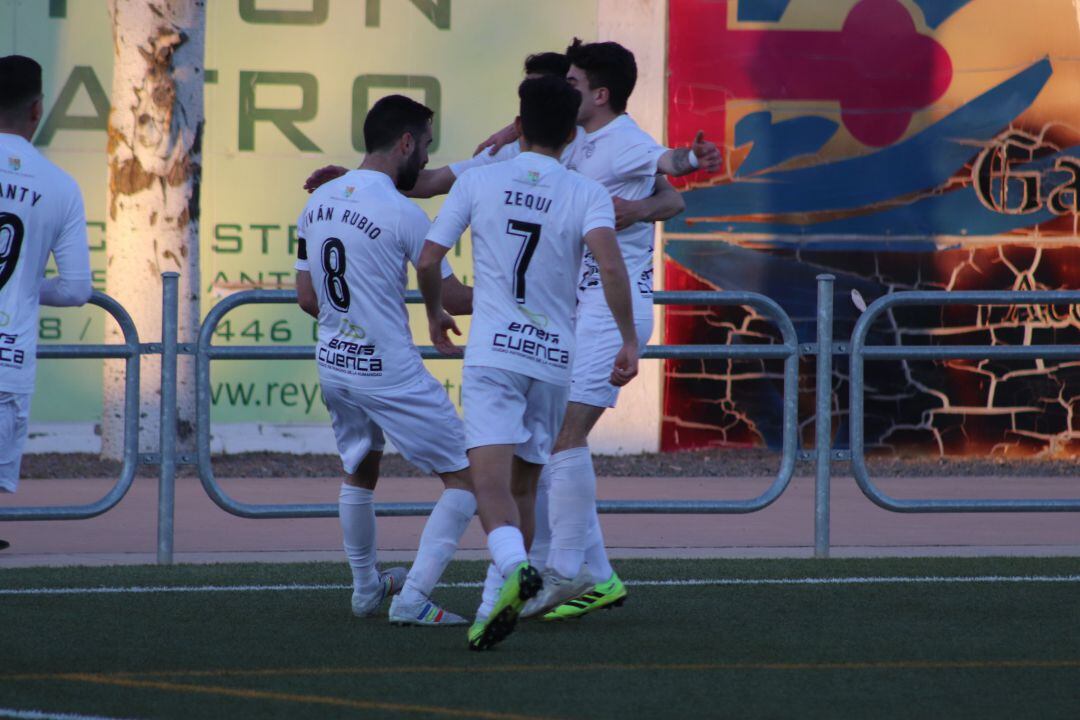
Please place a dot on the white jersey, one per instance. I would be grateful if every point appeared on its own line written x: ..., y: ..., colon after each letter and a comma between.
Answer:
x: 528, y: 218
x: 41, y: 212
x: 622, y: 157
x: 357, y: 234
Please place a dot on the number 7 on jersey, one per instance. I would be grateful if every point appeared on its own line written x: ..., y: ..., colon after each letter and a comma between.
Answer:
x: 530, y: 236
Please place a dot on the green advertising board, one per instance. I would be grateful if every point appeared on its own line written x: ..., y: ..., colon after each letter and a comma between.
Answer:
x: 288, y: 85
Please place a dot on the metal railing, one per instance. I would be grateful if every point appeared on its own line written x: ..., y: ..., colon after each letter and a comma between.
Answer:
x: 860, y: 352
x: 130, y: 351
x: 788, y: 351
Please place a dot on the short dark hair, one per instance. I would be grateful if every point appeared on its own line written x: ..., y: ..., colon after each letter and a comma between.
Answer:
x: 608, y: 65
x: 549, y: 108
x: 390, y: 118
x: 20, y: 82
x: 547, y: 63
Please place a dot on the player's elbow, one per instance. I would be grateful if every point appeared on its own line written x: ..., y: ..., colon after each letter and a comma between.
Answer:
x: 310, y: 305
x: 82, y: 291
x: 676, y: 205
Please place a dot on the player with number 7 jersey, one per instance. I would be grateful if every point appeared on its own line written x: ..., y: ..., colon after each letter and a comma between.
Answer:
x: 531, y: 219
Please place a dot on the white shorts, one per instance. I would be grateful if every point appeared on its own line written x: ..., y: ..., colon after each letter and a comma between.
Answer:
x: 418, y: 418
x: 597, y: 343
x: 14, y: 427
x: 508, y: 408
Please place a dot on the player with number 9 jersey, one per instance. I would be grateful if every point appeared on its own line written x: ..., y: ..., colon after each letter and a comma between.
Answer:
x: 41, y: 213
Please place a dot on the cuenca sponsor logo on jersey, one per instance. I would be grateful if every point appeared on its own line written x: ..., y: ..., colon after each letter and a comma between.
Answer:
x: 529, y: 341
x: 350, y: 358
x: 644, y: 284
x: 9, y: 356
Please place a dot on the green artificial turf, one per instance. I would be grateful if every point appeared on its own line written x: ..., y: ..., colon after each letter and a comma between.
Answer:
x: 883, y: 650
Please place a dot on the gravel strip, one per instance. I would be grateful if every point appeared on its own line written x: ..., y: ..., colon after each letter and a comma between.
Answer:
x: 695, y: 463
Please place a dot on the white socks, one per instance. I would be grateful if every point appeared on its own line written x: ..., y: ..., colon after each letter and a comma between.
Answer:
x: 492, y: 585
x: 541, y: 545
x: 439, y: 541
x: 507, y: 548
x: 572, y: 508
x: 596, y: 558
x: 358, y: 531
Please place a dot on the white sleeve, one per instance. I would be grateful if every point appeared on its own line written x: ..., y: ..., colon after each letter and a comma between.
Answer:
x: 72, y: 254
x: 455, y: 215
x: 638, y: 159
x: 414, y: 230
x: 599, y: 212
x: 482, y: 158
x: 302, y: 264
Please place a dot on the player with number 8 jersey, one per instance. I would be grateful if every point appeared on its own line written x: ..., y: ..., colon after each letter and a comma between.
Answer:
x: 358, y: 234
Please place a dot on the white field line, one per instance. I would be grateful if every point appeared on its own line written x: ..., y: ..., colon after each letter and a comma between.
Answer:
x: 39, y: 715
x: 701, y: 582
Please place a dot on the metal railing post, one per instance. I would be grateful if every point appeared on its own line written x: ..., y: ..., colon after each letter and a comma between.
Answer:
x: 167, y: 469
x: 823, y: 417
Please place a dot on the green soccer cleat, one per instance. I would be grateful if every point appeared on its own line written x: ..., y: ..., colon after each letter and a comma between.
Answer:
x: 609, y: 594
x: 523, y: 584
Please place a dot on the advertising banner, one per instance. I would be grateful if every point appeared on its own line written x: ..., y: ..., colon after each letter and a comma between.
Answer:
x: 897, y: 144
x: 288, y: 84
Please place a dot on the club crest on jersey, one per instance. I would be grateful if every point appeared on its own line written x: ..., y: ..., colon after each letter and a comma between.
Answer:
x: 590, y: 149
x: 537, y: 319
x: 349, y: 190
x: 14, y: 163
x: 534, y: 177
x: 350, y: 330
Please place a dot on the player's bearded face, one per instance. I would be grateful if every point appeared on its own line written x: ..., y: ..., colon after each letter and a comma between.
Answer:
x: 411, y: 167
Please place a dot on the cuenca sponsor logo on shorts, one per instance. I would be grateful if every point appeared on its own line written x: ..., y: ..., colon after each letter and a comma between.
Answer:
x: 349, y: 357
x: 528, y: 340
x: 9, y: 356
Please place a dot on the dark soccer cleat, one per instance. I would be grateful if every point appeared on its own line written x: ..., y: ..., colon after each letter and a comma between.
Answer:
x: 523, y: 584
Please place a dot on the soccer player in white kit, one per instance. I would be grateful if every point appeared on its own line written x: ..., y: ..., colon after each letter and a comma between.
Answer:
x: 529, y: 218
x: 610, y: 148
x: 41, y: 212
x: 358, y: 233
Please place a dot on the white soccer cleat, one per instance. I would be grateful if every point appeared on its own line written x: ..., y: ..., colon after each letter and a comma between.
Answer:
x: 556, y: 591
x: 424, y: 613
x: 391, y: 582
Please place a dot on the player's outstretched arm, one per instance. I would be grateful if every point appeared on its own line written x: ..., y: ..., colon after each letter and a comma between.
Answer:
x: 432, y: 182
x: 665, y: 203
x: 322, y: 176
x: 305, y: 294
x: 456, y: 296
x: 702, y: 155
x: 605, y: 249
x: 429, y: 277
